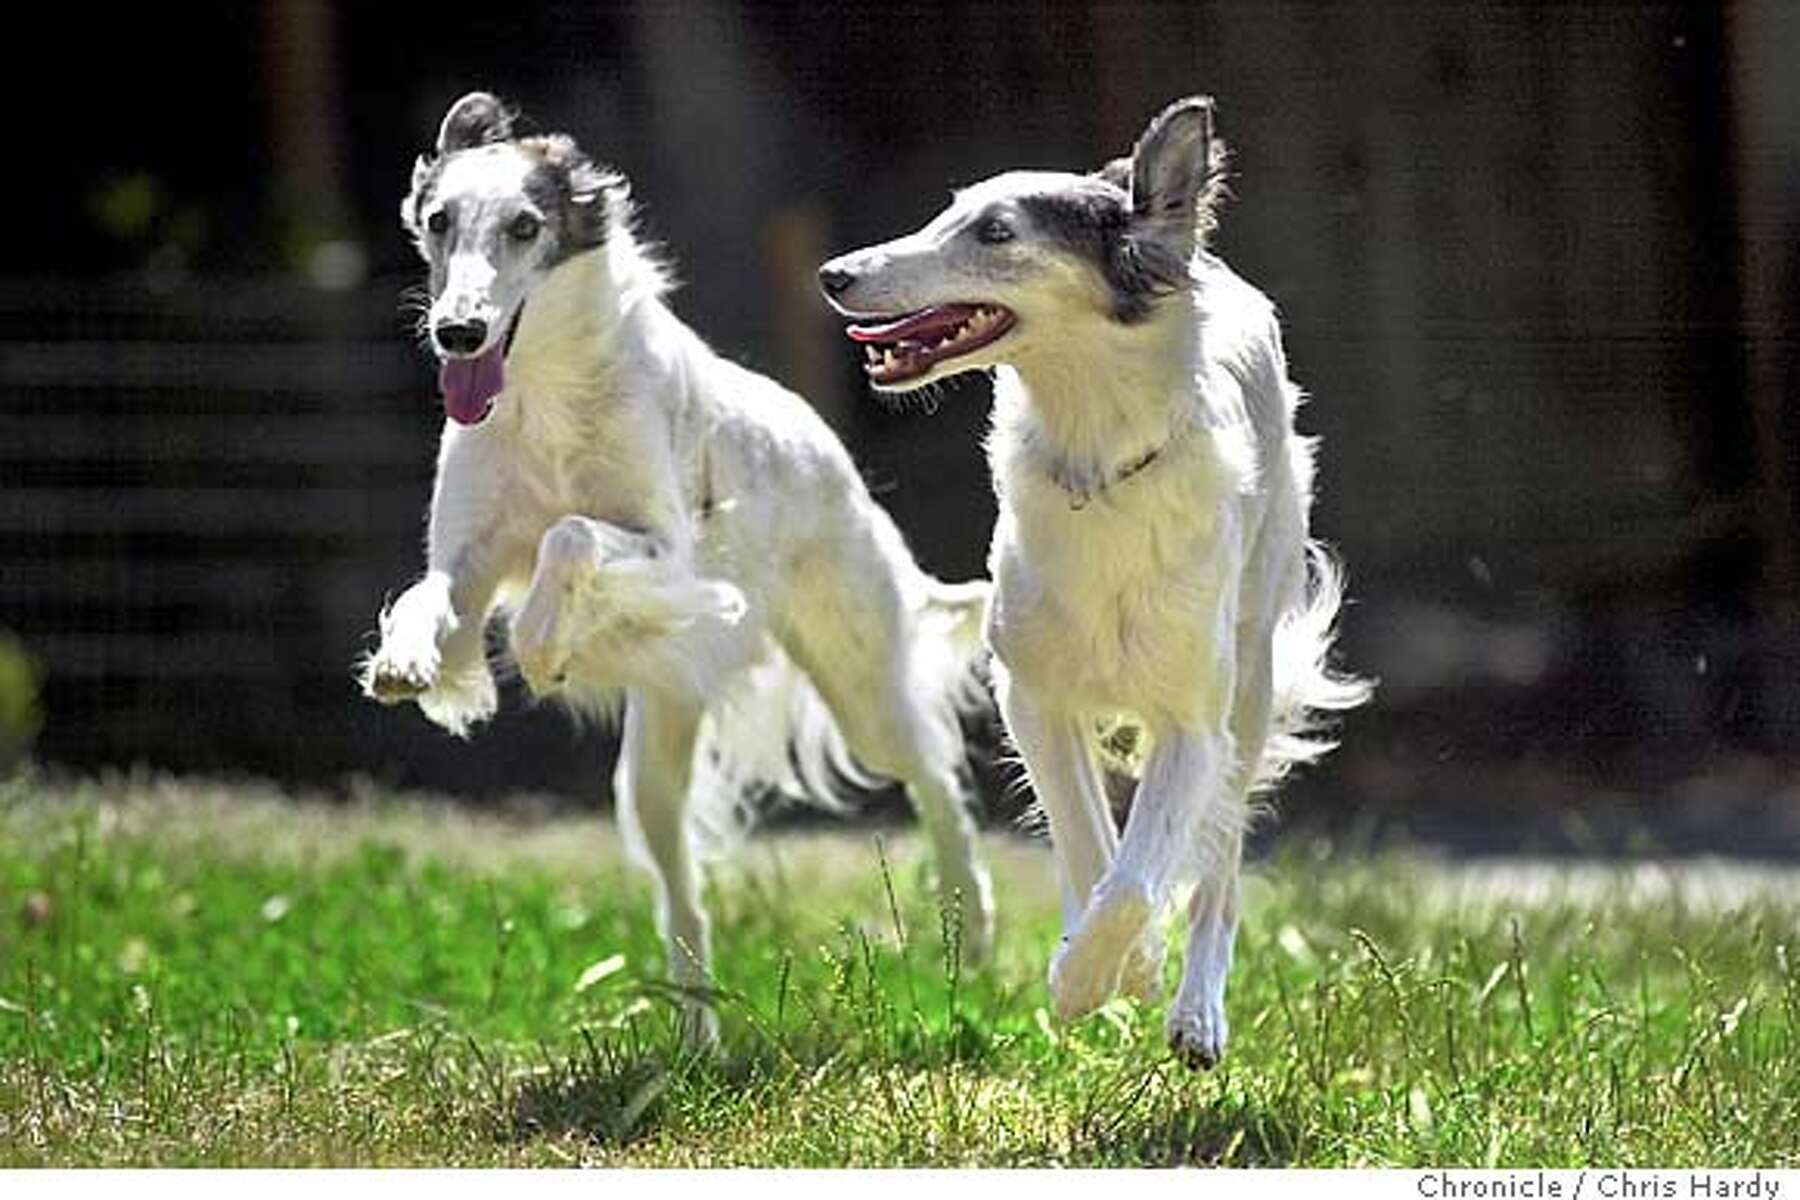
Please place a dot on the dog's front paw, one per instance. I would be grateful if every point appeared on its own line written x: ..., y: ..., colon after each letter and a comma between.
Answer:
x: 1085, y: 972
x: 461, y: 699
x: 1197, y: 1033
x: 398, y: 673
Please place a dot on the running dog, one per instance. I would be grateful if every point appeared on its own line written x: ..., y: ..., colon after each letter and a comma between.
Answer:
x: 1152, y: 567
x: 667, y: 533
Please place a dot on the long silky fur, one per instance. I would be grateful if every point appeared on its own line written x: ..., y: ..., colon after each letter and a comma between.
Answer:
x: 672, y: 541
x: 1158, y: 596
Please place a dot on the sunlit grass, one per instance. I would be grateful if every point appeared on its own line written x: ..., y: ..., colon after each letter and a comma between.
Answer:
x: 219, y: 975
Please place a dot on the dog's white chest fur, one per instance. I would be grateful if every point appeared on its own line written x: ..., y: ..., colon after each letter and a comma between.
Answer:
x: 1116, y: 596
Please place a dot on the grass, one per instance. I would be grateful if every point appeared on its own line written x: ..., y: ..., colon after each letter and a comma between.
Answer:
x: 211, y: 974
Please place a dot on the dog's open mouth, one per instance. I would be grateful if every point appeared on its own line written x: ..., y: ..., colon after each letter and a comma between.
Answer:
x: 469, y: 383
x: 904, y: 348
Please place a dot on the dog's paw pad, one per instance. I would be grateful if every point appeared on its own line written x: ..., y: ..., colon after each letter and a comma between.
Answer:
x: 1197, y: 1036
x: 1085, y: 972
x: 394, y: 679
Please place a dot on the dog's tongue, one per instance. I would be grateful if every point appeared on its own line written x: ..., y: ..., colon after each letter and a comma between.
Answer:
x: 469, y: 385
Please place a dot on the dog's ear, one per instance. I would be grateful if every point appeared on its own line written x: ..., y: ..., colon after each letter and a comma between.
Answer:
x: 1117, y: 172
x: 589, y: 188
x: 587, y: 196
x: 424, y: 170
x: 478, y: 119
x: 1174, y: 171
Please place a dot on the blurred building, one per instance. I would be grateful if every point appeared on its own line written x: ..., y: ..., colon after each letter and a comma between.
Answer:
x: 1538, y: 264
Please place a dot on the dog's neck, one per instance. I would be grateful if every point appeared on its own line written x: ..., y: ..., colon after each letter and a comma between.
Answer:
x: 1091, y: 413
x: 583, y: 329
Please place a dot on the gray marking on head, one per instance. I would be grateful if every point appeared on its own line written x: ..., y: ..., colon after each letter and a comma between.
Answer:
x: 1093, y: 222
x: 572, y: 191
x: 1138, y: 220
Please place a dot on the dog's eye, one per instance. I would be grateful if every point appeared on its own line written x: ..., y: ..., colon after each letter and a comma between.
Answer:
x: 524, y: 227
x: 438, y: 222
x: 993, y: 231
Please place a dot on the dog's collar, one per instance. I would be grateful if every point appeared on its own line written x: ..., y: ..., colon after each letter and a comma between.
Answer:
x: 1082, y: 490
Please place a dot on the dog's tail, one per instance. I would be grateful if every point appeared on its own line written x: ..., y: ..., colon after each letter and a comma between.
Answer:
x: 1307, y: 688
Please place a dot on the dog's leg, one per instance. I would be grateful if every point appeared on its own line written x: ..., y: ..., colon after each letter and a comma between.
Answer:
x: 433, y: 650
x: 1196, y: 1023
x: 405, y: 666
x: 1182, y: 808
x: 939, y: 799
x: 596, y: 580
x: 1059, y: 760
x: 846, y: 624
x: 651, y: 787
x: 888, y: 735
x: 433, y: 646
x: 432, y: 638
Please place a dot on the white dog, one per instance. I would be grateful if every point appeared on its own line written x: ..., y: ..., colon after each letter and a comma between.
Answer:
x: 667, y: 530
x: 1151, y: 562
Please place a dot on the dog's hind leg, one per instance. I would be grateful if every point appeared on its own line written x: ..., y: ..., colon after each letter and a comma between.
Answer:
x: 938, y: 794
x: 851, y: 633
x: 889, y: 735
x: 651, y: 786
x: 621, y: 601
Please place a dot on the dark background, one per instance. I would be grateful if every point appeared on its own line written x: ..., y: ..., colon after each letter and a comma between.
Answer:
x: 1538, y: 266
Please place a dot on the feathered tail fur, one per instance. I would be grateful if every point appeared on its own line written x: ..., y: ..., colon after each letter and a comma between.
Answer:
x: 1306, y: 686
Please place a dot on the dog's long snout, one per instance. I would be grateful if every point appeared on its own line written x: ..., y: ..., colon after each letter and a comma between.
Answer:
x: 461, y: 337
x: 835, y: 279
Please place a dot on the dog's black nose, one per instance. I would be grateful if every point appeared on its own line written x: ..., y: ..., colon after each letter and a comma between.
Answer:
x: 461, y: 337
x: 835, y: 280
